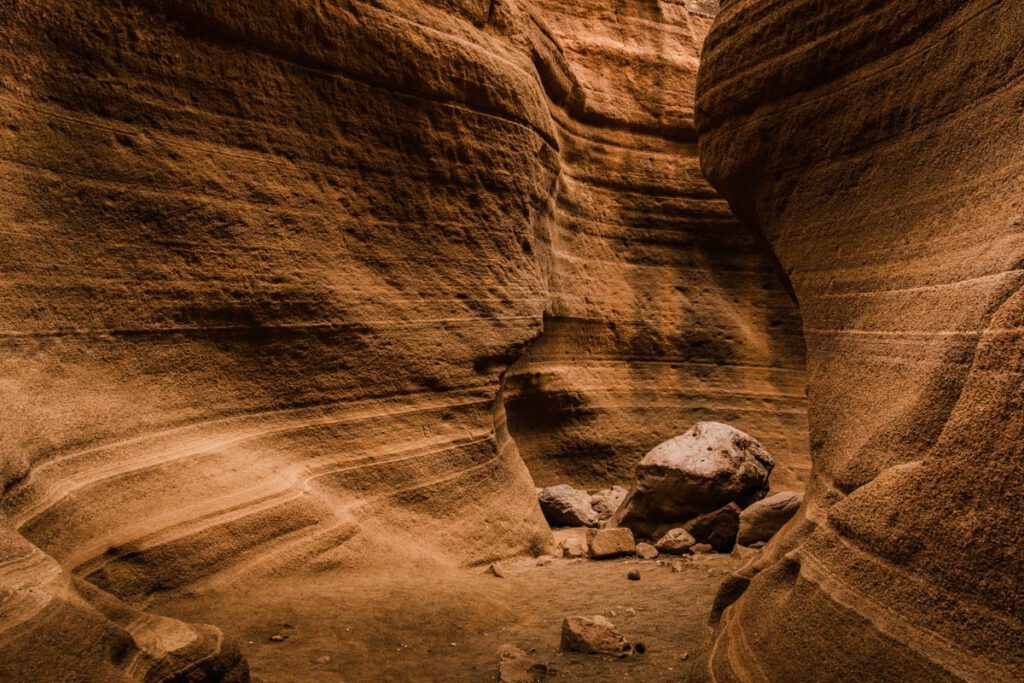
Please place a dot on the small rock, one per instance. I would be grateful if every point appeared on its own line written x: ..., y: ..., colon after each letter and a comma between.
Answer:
x: 677, y: 567
x: 544, y: 560
x: 646, y: 551
x: 683, y: 657
x: 633, y: 575
x: 761, y: 520
x: 675, y: 542
x: 757, y: 545
x: 563, y: 505
x: 279, y: 637
x: 613, y: 542
x: 322, y: 659
x: 496, y: 569
x: 718, y: 528
x: 709, y: 466
x: 606, y: 502
x: 702, y: 549
x: 593, y: 635
x: 639, y: 648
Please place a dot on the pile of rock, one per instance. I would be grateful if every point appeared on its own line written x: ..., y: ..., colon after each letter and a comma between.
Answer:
x: 706, y: 487
x: 701, y: 491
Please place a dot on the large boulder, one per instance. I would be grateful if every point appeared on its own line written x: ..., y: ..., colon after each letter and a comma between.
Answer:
x: 763, y: 519
x: 700, y: 471
x: 563, y: 505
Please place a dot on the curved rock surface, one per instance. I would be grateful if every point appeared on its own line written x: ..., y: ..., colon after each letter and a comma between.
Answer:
x: 264, y: 264
x: 878, y: 147
x: 663, y: 310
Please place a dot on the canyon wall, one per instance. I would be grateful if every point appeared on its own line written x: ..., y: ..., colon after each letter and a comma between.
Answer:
x: 663, y: 309
x: 265, y: 265
x: 877, y: 145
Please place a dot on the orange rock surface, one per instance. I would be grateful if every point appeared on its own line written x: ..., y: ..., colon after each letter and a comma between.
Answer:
x: 877, y: 145
x: 264, y: 266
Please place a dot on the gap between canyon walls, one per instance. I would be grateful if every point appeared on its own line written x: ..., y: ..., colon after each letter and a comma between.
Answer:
x: 662, y: 308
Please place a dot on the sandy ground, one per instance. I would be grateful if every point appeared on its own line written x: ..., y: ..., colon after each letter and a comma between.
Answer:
x: 447, y: 625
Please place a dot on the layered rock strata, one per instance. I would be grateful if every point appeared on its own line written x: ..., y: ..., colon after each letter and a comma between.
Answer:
x: 663, y: 310
x: 878, y: 147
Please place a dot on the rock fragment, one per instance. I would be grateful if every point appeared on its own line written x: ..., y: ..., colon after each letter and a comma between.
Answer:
x: 646, y: 551
x: 544, y: 560
x: 563, y: 505
x: 718, y: 529
x: 633, y: 575
x: 761, y: 520
x: 606, y: 502
x: 593, y: 635
x: 605, y: 543
x: 702, y: 549
x: 702, y: 470
x: 495, y: 569
x: 571, y: 543
x: 675, y: 542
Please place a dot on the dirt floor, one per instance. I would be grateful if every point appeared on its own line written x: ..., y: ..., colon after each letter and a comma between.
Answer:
x: 447, y: 625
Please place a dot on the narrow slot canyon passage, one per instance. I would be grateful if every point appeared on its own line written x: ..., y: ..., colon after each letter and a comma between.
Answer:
x: 474, y: 340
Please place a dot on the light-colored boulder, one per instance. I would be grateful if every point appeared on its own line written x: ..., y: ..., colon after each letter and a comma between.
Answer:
x: 593, y: 635
x: 605, y: 543
x: 761, y: 520
x: 606, y: 502
x: 563, y: 505
x: 675, y: 542
x: 702, y: 470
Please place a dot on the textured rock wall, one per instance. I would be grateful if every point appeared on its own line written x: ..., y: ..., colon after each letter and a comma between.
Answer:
x: 878, y: 147
x: 663, y: 309
x: 262, y: 265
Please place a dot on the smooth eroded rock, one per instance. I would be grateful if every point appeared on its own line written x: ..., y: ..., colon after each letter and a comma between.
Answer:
x: 563, y: 505
x: 761, y: 520
x: 646, y: 551
x: 709, y: 466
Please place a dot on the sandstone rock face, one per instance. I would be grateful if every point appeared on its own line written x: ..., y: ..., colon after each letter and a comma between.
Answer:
x: 563, y: 505
x: 878, y: 147
x: 662, y: 309
x: 709, y: 466
x: 763, y: 519
x: 264, y: 265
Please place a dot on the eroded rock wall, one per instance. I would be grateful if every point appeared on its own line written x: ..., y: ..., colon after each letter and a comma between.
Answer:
x: 262, y: 266
x: 878, y: 147
x: 663, y: 309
